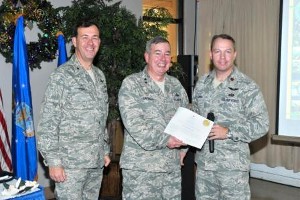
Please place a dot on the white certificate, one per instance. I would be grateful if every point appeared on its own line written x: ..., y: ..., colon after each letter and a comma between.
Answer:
x: 189, y: 127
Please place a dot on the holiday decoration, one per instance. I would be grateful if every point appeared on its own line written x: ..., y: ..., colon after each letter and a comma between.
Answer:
x: 35, y: 12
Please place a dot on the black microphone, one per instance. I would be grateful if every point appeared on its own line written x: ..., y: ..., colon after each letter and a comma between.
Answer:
x: 211, y: 117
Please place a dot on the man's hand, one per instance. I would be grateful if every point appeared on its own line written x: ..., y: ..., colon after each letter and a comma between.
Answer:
x: 173, y: 142
x: 106, y: 160
x: 218, y: 133
x: 182, y: 155
x: 57, y: 174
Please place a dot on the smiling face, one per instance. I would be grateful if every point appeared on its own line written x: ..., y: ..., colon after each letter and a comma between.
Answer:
x: 158, y: 60
x: 223, y: 55
x: 86, y: 43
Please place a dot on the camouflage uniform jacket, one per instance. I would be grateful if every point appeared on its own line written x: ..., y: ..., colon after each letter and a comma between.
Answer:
x: 145, y: 112
x: 72, y: 128
x: 238, y: 104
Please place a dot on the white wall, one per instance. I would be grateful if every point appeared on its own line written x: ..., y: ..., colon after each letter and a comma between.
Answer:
x: 135, y: 6
x: 276, y: 174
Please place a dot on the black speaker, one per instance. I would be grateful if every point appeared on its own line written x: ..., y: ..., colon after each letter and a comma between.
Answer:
x: 189, y: 64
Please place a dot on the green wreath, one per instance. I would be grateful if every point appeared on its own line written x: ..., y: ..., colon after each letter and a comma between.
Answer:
x: 47, y: 20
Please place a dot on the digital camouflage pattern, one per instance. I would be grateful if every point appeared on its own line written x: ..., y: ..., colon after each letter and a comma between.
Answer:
x: 145, y: 112
x: 238, y: 104
x: 71, y: 189
x: 72, y: 128
x: 235, y: 185
x: 160, y: 186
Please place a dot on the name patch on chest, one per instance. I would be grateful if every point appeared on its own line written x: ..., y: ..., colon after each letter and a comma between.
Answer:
x: 147, y: 98
x: 230, y: 100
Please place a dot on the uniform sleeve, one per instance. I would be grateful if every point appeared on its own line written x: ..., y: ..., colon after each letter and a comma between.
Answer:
x: 106, y: 134
x: 185, y: 104
x: 106, y: 143
x: 255, y: 122
x: 147, y: 133
x: 105, y: 109
x: 50, y: 117
x: 195, y: 106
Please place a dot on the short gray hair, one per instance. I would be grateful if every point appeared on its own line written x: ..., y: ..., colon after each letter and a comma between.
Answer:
x: 155, y: 40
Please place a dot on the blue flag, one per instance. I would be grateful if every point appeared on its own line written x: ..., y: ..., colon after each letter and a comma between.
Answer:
x: 62, y: 52
x: 24, y: 152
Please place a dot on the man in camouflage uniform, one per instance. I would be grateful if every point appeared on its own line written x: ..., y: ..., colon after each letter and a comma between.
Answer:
x: 148, y: 100
x: 71, y: 132
x: 240, y: 117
